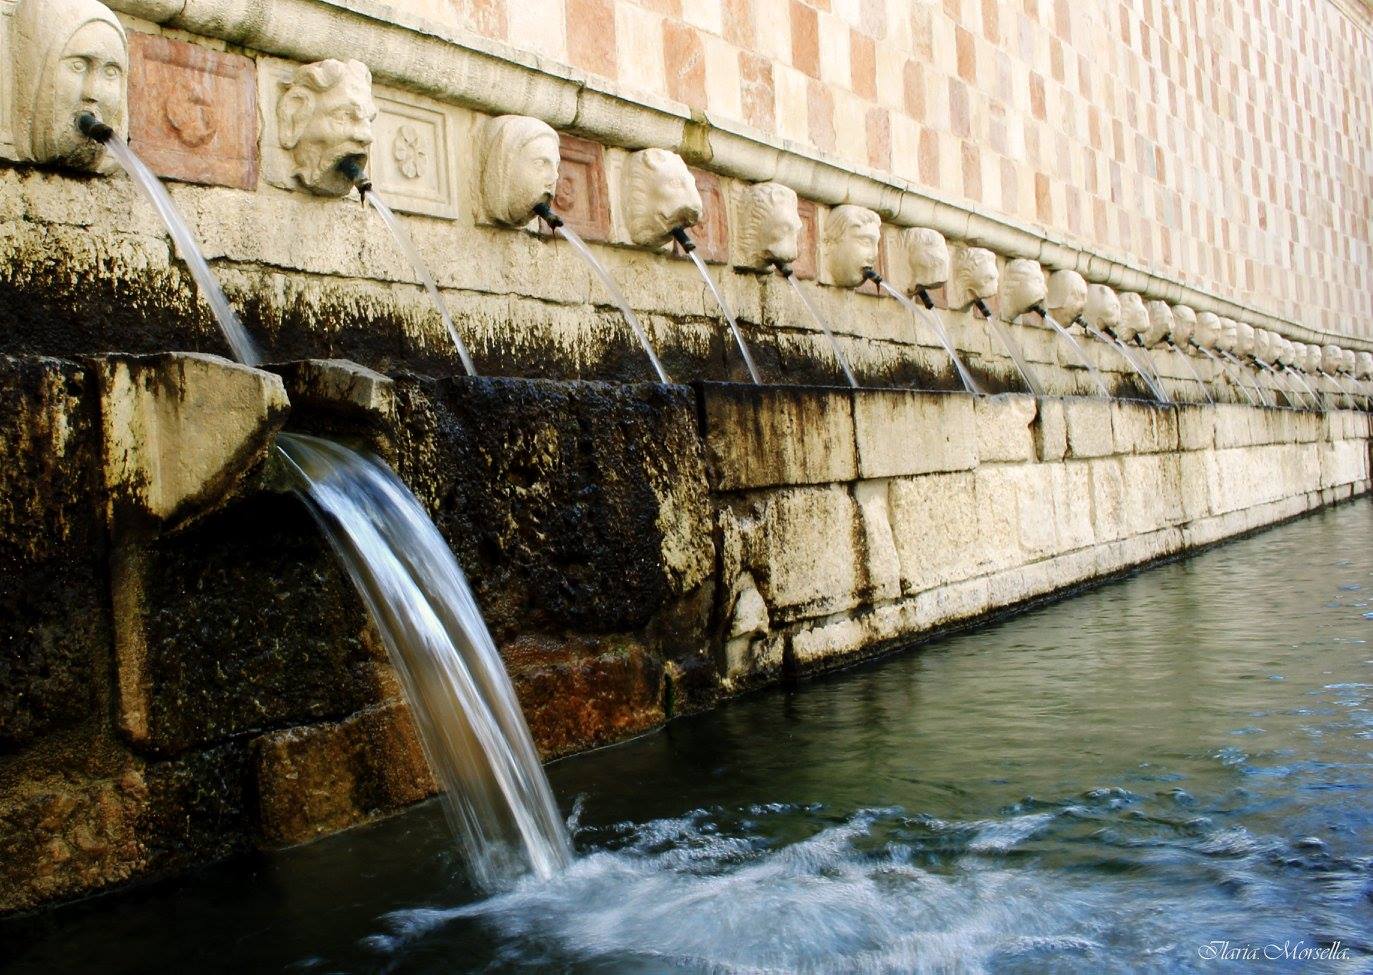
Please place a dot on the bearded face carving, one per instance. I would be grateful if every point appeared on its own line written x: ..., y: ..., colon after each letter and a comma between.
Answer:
x: 1184, y: 326
x: 324, y: 118
x: 1022, y: 288
x: 1067, y: 296
x: 1102, y: 309
x: 852, y: 234
x: 1160, y: 323
x: 1134, y: 317
x: 1207, y: 333
x: 1330, y: 358
x: 929, y: 257
x: 975, y: 276
x: 70, y: 57
x: 520, y: 159
x: 660, y: 197
x: 770, y: 226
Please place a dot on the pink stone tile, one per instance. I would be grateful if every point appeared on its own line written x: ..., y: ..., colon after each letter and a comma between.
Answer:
x: 757, y: 92
x: 193, y: 111
x: 805, y: 39
x: 808, y: 248
x: 591, y: 36
x: 684, y: 57
x: 582, y: 199
x: 712, y: 233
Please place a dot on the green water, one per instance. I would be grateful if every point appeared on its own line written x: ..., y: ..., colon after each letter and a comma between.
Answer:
x: 1163, y: 770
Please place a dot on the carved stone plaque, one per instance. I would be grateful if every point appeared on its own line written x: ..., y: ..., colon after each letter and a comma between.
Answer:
x: 193, y: 111
x: 712, y: 233
x: 582, y: 198
x: 412, y: 160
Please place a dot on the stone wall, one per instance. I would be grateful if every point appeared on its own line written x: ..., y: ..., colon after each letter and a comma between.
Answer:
x: 186, y: 674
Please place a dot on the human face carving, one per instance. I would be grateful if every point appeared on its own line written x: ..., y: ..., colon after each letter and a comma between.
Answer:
x: 852, y: 234
x: 324, y: 118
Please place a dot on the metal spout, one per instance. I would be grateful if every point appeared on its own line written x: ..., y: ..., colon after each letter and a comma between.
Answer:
x: 870, y: 274
x: 351, y: 168
x: 981, y: 306
x: 545, y: 213
x: 924, y: 295
x: 92, y: 128
x: 683, y: 240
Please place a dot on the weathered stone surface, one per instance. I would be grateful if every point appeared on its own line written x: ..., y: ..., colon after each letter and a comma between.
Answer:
x: 810, y: 552
x: 53, y: 590
x: 903, y: 432
x: 1006, y: 429
x: 934, y: 551
x: 318, y: 779
x: 772, y: 435
x: 1051, y: 431
x: 1089, y: 428
x: 1143, y: 428
x: 580, y: 694
x: 181, y: 432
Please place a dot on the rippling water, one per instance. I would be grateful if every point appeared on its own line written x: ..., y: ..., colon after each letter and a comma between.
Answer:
x: 1166, y: 769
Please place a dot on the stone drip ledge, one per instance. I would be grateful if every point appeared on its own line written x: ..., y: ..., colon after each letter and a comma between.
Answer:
x: 414, y: 54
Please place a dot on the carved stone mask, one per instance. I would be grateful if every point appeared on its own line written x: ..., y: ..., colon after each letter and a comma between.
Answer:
x: 1134, y: 317
x: 1365, y: 365
x: 975, y: 276
x: 1227, y: 337
x: 1022, y: 288
x: 1207, y: 333
x: 69, y: 57
x: 852, y: 234
x: 1348, y: 360
x: 1184, y: 326
x: 520, y: 159
x: 1067, y: 296
x: 1264, y: 345
x: 929, y: 257
x: 660, y: 196
x: 1102, y: 309
x: 1244, y: 338
x: 1160, y: 323
x: 324, y: 117
x: 1330, y: 358
x: 770, y: 226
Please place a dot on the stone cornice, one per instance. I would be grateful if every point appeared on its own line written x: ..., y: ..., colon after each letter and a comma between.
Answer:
x: 489, y: 76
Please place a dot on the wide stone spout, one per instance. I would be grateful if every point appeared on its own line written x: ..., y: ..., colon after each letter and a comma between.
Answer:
x: 181, y: 433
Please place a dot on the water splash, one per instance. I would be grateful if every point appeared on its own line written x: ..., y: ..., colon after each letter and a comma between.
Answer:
x: 1092, y: 370
x: 729, y: 315
x: 579, y: 245
x: 240, y: 342
x: 412, y: 254
x: 824, y: 327
x: 495, y: 793
x: 932, y: 320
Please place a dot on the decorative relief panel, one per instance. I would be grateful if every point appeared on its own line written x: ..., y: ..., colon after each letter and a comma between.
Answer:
x: 583, y: 200
x: 712, y: 233
x: 194, y: 114
x: 412, y: 158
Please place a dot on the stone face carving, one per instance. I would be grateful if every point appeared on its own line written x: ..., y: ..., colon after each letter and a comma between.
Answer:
x: 1102, y: 309
x: 1184, y: 326
x: 1244, y: 337
x: 769, y: 226
x: 1134, y: 317
x: 520, y: 160
x: 68, y: 57
x: 852, y: 234
x: 1330, y: 358
x: 929, y: 257
x: 1364, y: 369
x: 1264, y: 346
x: 660, y: 196
x: 324, y: 117
x: 1348, y: 361
x: 975, y: 276
x: 1160, y: 323
x: 1227, y: 338
x: 1067, y: 296
x: 1207, y: 332
x: 1022, y: 288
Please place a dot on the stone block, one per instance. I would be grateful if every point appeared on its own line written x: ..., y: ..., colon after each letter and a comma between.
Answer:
x: 901, y: 433
x: 181, y: 432
x: 778, y: 435
x: 412, y: 161
x: 1143, y: 428
x: 194, y: 117
x: 934, y: 522
x: 1089, y: 428
x: 1051, y: 430
x: 338, y: 388
x: 1006, y: 429
x: 1072, y: 504
x: 883, y: 562
x: 812, y: 559
x: 578, y: 694
x: 712, y: 233
x: 1196, y: 427
x: 318, y: 779
x: 829, y: 644
x: 808, y: 243
x: 1108, y: 500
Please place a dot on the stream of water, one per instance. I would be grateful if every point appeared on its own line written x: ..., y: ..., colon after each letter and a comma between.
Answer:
x: 1122, y: 782
x: 932, y: 320
x: 729, y: 315
x: 407, y: 247
x: 824, y: 326
x: 1092, y: 370
x: 1012, y: 348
